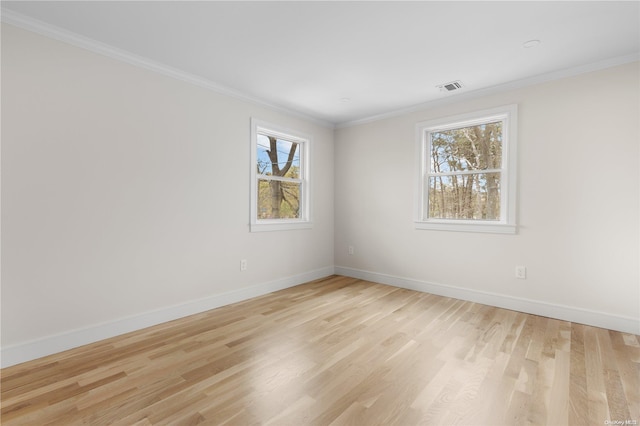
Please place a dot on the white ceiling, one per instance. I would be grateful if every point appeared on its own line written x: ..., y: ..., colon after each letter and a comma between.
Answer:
x: 310, y: 57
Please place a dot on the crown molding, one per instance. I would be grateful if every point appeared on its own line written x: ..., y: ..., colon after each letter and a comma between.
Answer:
x: 504, y: 87
x: 69, y: 37
x: 65, y: 36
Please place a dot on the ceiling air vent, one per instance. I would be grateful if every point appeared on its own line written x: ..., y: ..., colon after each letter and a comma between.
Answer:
x: 450, y: 87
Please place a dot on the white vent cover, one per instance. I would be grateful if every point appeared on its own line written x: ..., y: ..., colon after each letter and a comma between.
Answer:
x: 450, y: 87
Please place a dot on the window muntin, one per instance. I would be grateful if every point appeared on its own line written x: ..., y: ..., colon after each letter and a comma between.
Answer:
x: 280, y: 184
x: 467, y: 172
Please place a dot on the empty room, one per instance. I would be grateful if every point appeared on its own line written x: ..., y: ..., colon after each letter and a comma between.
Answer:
x: 320, y: 213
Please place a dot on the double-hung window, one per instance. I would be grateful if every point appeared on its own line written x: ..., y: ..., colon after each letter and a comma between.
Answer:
x: 279, y: 178
x: 467, y: 172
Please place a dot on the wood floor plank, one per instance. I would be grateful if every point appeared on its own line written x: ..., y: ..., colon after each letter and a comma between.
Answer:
x: 578, y: 408
x: 337, y: 351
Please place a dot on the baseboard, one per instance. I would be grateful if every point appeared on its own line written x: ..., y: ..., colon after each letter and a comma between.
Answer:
x: 551, y: 310
x: 49, y: 345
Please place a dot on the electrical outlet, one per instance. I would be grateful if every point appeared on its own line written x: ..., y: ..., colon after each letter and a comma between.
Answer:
x: 351, y: 250
x: 243, y: 265
x: 521, y: 272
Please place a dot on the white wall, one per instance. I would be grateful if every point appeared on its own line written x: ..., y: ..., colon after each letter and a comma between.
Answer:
x: 578, y: 205
x: 125, y: 199
x: 125, y: 202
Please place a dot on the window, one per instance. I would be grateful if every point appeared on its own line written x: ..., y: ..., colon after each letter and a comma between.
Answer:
x: 467, y: 172
x: 279, y: 178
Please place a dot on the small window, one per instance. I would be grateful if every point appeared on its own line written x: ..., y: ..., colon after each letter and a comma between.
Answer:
x: 467, y: 172
x: 279, y: 178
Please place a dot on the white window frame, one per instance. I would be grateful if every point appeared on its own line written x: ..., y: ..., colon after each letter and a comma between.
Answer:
x: 304, y: 141
x: 507, y: 222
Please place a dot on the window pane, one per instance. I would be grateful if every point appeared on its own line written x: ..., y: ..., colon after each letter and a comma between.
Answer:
x: 467, y: 148
x: 472, y: 196
x: 278, y: 200
x: 278, y: 157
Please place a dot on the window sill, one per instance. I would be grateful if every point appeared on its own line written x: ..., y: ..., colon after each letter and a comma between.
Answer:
x: 279, y: 226
x: 491, y: 228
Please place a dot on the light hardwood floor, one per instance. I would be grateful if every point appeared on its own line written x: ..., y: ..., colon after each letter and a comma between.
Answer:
x: 338, y: 351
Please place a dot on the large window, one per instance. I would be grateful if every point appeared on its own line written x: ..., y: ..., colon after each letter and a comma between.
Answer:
x: 280, y: 178
x: 467, y: 172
